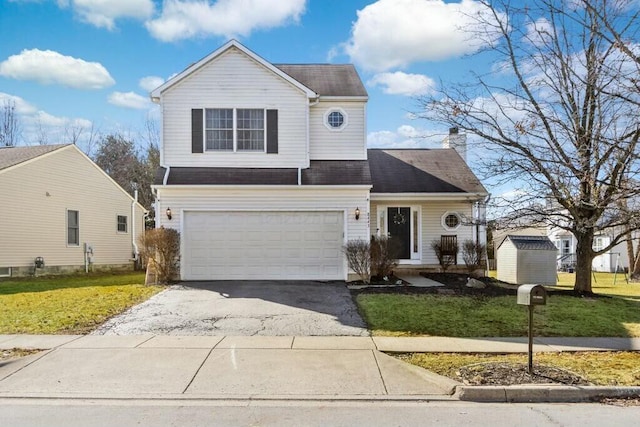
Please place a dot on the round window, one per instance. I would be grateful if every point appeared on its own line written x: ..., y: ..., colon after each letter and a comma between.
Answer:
x: 452, y: 221
x: 335, y: 119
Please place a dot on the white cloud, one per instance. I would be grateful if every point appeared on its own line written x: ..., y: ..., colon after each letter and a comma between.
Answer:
x: 539, y: 32
x: 49, y: 67
x: 22, y: 106
x: 184, y: 19
x: 405, y: 136
x: 129, y: 100
x: 400, y: 83
x: 395, y: 33
x: 104, y: 13
x: 149, y: 83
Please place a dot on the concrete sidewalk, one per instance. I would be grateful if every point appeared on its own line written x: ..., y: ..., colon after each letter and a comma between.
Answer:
x: 260, y: 367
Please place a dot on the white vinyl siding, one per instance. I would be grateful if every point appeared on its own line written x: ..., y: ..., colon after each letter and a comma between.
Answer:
x: 234, y: 80
x: 296, y: 199
x: 37, y: 196
x: 347, y: 143
x: 431, y: 223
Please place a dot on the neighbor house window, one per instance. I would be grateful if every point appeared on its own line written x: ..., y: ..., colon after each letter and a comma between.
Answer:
x: 335, y: 119
x: 122, y: 224
x: 73, y: 228
x: 451, y: 220
x: 241, y: 129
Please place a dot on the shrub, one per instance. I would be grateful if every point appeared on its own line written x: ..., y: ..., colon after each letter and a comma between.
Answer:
x: 384, y: 256
x: 358, y: 254
x: 446, y: 256
x: 161, y: 249
x: 473, y: 255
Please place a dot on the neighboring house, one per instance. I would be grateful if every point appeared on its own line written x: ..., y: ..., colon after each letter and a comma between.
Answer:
x: 266, y: 174
x: 614, y: 258
x: 57, y: 203
x: 527, y: 259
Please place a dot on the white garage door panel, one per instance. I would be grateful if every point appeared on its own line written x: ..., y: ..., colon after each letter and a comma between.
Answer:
x: 263, y: 245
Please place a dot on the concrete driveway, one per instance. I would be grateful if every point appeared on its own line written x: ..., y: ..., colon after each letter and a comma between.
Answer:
x: 273, y: 308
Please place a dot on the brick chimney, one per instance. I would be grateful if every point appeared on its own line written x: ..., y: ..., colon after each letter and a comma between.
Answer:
x: 457, y: 141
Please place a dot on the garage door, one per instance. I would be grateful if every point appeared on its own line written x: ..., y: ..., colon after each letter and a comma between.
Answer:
x: 263, y: 245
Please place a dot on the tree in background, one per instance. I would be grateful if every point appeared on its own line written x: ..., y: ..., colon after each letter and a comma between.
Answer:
x: 558, y: 114
x: 131, y: 168
x: 10, y: 127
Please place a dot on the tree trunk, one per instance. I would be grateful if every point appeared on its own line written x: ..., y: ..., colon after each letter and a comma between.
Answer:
x: 584, y: 258
x: 634, y: 268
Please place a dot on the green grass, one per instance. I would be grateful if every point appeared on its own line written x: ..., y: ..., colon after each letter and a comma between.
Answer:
x: 600, y: 368
x: 68, y: 304
x: 467, y: 316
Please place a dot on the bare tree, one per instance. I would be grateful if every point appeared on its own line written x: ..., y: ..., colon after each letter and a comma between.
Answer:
x: 558, y: 115
x: 10, y: 127
x: 41, y: 133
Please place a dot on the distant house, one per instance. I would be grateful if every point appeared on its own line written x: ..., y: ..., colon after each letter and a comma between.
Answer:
x: 63, y: 213
x: 614, y: 259
x: 266, y: 174
x: 527, y: 259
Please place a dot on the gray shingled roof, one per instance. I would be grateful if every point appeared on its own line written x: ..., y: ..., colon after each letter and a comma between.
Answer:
x: 11, y: 156
x: 327, y: 79
x: 532, y: 243
x: 421, y: 171
x: 323, y: 172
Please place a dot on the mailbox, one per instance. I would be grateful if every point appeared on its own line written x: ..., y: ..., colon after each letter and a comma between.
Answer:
x: 532, y: 295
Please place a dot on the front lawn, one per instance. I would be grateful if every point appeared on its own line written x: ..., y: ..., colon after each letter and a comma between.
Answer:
x: 391, y: 314
x: 68, y: 304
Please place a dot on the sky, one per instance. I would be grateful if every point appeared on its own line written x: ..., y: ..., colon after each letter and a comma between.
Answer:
x: 90, y: 64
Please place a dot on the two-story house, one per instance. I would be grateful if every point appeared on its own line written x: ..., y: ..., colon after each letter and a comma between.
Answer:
x: 266, y: 174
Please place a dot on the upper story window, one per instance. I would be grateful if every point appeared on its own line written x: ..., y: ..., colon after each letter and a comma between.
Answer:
x: 335, y: 119
x: 240, y: 129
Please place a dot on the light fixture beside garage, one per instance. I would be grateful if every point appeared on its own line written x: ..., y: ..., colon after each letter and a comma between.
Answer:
x: 357, y: 213
x: 168, y: 213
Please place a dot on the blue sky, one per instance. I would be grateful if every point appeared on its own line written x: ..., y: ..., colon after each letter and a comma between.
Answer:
x: 74, y: 64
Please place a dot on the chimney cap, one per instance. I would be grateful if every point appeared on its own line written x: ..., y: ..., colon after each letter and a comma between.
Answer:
x: 453, y: 130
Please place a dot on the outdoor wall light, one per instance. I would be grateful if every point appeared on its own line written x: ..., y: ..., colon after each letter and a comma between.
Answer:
x: 169, y: 213
x: 357, y: 213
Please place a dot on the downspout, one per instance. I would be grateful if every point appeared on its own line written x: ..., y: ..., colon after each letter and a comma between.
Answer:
x: 136, y: 252
x: 311, y: 104
x: 299, y: 176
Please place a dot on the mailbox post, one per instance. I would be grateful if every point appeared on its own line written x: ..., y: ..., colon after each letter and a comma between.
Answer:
x: 531, y: 295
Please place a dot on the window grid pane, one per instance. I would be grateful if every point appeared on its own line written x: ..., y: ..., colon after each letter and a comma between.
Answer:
x: 335, y: 119
x: 73, y: 228
x: 122, y: 223
x: 219, y: 129
x: 250, y: 123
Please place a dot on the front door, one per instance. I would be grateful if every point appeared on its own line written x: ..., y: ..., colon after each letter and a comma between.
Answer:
x: 399, y: 220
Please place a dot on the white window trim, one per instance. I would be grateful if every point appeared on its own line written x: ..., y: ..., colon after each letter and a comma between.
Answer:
x: 126, y: 224
x: 66, y: 234
x: 345, y: 123
x: 235, y: 130
x: 444, y: 223
x: 416, y: 257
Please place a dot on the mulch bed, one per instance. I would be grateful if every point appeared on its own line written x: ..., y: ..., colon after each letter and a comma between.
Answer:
x: 501, y: 373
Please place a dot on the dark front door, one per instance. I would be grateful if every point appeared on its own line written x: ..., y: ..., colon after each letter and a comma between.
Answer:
x: 399, y: 226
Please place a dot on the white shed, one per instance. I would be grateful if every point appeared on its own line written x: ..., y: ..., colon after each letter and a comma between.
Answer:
x: 527, y: 259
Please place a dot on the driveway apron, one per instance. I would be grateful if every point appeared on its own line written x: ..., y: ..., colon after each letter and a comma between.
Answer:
x: 217, y: 308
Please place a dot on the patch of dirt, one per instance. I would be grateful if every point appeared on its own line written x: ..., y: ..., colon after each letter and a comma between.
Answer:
x: 620, y: 401
x: 15, y: 353
x: 501, y: 373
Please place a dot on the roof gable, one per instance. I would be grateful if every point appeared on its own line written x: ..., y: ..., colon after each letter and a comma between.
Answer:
x: 232, y: 44
x: 421, y: 171
x: 12, y: 156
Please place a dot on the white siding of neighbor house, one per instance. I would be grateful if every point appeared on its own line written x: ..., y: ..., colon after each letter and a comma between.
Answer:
x: 526, y: 266
x: 431, y: 223
x: 35, y: 197
x: 345, y: 144
x: 233, y: 80
x: 266, y: 199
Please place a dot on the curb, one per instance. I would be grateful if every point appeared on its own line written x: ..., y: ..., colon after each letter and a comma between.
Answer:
x: 542, y: 393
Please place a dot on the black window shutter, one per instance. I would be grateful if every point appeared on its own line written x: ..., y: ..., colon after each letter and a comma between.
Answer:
x: 272, y: 131
x: 197, y: 138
